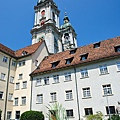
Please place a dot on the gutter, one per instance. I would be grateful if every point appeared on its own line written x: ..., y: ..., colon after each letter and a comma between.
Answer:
x: 31, y: 93
x: 76, y: 86
x: 6, y: 96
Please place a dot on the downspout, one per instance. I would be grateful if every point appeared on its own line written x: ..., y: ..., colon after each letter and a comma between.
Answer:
x: 77, y: 93
x: 31, y: 93
x: 6, y: 96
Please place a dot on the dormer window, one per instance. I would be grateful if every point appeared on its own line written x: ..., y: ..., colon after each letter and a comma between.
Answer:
x: 84, y: 57
x: 54, y: 64
x: 68, y: 61
x: 96, y: 45
x: 24, y: 53
x: 73, y: 51
x: 117, y: 48
x: 66, y: 36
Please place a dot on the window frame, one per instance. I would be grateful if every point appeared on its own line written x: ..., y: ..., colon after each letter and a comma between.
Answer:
x: 38, y: 80
x: 17, y: 86
x: 107, y: 88
x: 53, y: 97
x: 69, y: 95
x: 70, y: 113
x: 1, y: 94
x: 16, y: 101
x: 88, y: 111
x: 86, y: 92
x: 84, y: 73
x: 56, y: 78
x: 23, y: 100
x: 9, y: 115
x: 3, y: 76
x: 68, y: 76
x: 40, y: 98
x: 5, y: 59
x: 24, y: 84
x: 10, y: 97
x: 103, y: 69
x: 110, y: 109
x: 46, y: 80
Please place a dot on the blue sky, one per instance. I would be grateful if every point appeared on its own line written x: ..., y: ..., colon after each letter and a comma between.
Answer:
x: 93, y: 20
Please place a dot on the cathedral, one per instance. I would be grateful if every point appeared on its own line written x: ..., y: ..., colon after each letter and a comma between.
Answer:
x: 85, y: 80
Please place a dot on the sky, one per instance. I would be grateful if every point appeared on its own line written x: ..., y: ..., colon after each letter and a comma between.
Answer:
x: 93, y: 20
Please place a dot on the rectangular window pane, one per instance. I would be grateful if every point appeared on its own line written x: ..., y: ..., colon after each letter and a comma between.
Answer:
x: 25, y: 84
x: 20, y: 76
x: 11, y: 79
x: 23, y: 100
x: 88, y: 111
x: 86, y: 92
x: 38, y: 81
x: 67, y: 76
x: 107, y: 89
x: 69, y: 95
x: 17, y: 115
x: 40, y: 98
x: 69, y: 113
x: 5, y: 59
x: 17, y: 86
x: 103, y: 69
x: 84, y: 73
x: 1, y: 95
x: 16, y: 101
x: 110, y: 110
x: 9, y: 113
x: 56, y: 78
x: 10, y: 96
x: 53, y: 97
x: 2, y: 76
x: 46, y: 80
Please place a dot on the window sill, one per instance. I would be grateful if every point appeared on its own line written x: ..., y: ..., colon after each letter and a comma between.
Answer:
x: 1, y: 99
x: 39, y: 103
x: 24, y: 88
x: 2, y: 80
x: 55, y: 82
x: 70, y: 116
x: 84, y: 77
x: 67, y: 80
x: 118, y: 71
x: 86, y: 97
x: 23, y: 105
x: 46, y: 84
x: 17, y: 89
x: 103, y: 74
x: 11, y: 82
x: 53, y: 101
x: 69, y: 100
x: 15, y: 105
x: 108, y: 95
x: 38, y: 85
x: 10, y: 100
x: 20, y: 78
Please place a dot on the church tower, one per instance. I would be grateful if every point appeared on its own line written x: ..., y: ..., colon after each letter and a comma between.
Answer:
x: 69, y: 35
x: 46, y: 25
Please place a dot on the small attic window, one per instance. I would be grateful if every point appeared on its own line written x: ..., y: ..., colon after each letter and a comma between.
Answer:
x: 36, y: 62
x: 117, y: 48
x: 68, y: 61
x: 24, y: 53
x: 73, y: 51
x: 84, y: 57
x: 54, y: 64
x: 96, y: 45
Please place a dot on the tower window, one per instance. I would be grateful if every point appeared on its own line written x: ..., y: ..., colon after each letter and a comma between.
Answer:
x: 117, y: 48
x: 43, y: 13
x: 54, y: 64
x: 66, y: 36
x: 24, y: 53
x: 84, y: 57
x: 68, y: 61
x: 53, y: 15
x: 96, y: 45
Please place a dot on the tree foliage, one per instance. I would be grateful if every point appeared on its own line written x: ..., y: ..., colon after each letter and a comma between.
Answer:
x: 97, y: 116
x: 56, y: 112
x: 32, y: 115
x: 114, y: 117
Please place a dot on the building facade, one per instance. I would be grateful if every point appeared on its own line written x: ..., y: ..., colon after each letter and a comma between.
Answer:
x: 84, y: 80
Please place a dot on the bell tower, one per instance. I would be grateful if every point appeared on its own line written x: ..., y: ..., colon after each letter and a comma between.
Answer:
x: 46, y: 25
x: 69, y: 35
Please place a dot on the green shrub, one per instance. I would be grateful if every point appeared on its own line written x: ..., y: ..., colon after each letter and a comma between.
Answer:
x: 32, y: 115
x: 115, y: 117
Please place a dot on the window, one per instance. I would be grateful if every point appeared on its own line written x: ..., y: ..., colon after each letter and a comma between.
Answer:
x: 46, y: 80
x: 38, y: 81
x: 1, y: 95
x: 23, y: 100
x: 5, y: 59
x: 10, y: 96
x: 9, y: 113
x: 67, y: 76
x: 55, y: 64
x: 53, y: 97
x: 97, y: 45
x: 73, y: 51
x: 107, y: 89
x: 17, y: 115
x: 86, y: 92
x: 103, y: 70
x: 2, y: 76
x: 13, y: 63
x: 53, y: 16
x: 24, y: 84
x: 68, y: 61
x: 84, y: 57
x: 24, y: 53
x: 56, y: 78
x: 11, y: 79
x: 110, y: 110
x: 16, y: 101
x: 69, y: 95
x: 117, y: 48
x: 69, y: 113
x: 84, y: 73
x: 55, y: 45
x: 118, y: 66
x: 21, y: 63
x: 20, y: 76
x: 17, y: 86
x: 88, y: 111
x: 40, y: 98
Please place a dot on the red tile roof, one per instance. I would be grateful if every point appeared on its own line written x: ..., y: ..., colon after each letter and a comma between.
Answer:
x: 7, y: 50
x: 105, y: 50
x: 19, y: 53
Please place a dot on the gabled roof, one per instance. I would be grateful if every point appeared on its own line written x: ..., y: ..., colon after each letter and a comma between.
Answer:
x: 29, y: 49
x: 106, y: 50
x: 7, y: 50
x: 19, y: 53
